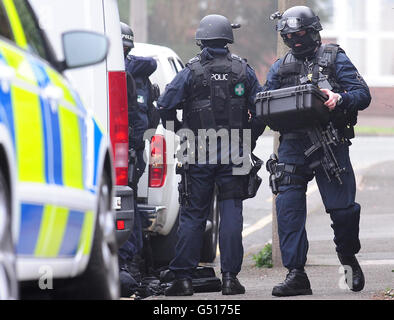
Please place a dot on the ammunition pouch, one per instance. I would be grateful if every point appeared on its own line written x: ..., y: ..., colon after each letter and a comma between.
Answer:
x: 344, y: 121
x: 245, y: 186
x: 252, y: 180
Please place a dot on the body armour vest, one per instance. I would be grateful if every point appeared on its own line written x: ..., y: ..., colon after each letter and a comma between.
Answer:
x: 219, y: 92
x: 321, y: 71
x: 294, y: 72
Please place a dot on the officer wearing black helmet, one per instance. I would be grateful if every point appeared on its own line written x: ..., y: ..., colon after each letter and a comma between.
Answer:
x: 141, y: 95
x: 216, y: 91
x: 347, y: 93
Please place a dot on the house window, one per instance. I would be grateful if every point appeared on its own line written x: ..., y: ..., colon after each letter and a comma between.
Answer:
x: 357, y: 19
x: 356, y: 50
x: 387, y: 15
x: 387, y: 57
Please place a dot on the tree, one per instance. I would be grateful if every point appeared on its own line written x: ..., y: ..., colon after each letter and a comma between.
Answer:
x: 173, y: 23
x: 124, y: 8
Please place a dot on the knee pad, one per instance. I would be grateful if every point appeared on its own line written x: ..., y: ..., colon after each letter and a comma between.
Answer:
x: 349, y: 217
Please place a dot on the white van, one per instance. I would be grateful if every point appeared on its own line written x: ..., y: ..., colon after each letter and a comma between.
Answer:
x: 158, y: 191
x: 102, y: 87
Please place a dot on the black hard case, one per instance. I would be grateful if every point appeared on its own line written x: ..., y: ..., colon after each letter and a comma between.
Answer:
x: 292, y: 108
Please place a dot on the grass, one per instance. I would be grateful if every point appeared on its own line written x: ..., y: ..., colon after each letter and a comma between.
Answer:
x: 389, y: 293
x: 373, y: 130
x: 264, y: 258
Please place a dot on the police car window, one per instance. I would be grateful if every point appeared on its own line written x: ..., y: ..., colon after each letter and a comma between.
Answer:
x: 33, y: 35
x: 5, y: 28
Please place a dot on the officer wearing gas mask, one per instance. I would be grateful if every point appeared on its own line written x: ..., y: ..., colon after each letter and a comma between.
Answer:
x: 347, y: 93
x: 142, y: 115
x: 215, y: 90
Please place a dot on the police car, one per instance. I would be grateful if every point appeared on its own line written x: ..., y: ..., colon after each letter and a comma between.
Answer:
x: 56, y: 176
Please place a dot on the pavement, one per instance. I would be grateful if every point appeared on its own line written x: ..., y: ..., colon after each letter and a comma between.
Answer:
x: 375, y: 193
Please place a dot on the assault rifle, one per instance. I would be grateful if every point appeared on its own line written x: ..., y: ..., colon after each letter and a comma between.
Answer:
x: 323, y: 139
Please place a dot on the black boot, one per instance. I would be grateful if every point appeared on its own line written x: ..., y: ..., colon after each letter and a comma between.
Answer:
x: 128, y: 284
x: 131, y: 267
x: 180, y: 287
x: 358, y: 280
x: 296, y: 283
x: 231, y: 285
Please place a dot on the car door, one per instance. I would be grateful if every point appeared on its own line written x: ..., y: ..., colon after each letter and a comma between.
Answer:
x: 28, y: 131
x: 50, y: 142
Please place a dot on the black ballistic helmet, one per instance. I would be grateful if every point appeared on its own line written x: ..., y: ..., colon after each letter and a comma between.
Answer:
x: 127, y: 36
x: 296, y: 19
x: 215, y: 27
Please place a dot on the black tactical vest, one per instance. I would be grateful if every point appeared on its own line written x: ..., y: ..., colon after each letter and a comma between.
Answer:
x: 218, y: 98
x: 320, y: 71
x: 294, y: 72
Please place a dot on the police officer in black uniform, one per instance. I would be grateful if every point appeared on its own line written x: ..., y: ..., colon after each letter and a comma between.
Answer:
x: 215, y: 91
x: 347, y: 93
x: 142, y: 116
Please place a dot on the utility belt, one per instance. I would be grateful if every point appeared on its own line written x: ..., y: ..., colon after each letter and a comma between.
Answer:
x: 241, y: 187
x: 343, y: 134
x: 321, y: 139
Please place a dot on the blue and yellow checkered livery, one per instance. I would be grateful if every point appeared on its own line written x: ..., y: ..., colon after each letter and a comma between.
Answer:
x: 52, y: 136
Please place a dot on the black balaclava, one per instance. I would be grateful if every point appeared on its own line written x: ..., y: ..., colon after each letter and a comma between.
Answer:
x: 309, y: 42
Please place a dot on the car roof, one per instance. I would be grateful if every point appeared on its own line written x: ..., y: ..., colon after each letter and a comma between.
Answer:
x: 151, y: 50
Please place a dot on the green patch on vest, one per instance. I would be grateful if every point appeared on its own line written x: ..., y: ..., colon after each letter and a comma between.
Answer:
x: 239, y: 89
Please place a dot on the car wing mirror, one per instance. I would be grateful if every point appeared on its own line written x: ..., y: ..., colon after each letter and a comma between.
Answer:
x: 83, y: 48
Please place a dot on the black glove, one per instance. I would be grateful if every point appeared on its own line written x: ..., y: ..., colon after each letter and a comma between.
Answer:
x: 155, y: 92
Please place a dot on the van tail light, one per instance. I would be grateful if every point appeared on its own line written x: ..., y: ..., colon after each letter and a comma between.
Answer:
x: 120, y: 225
x: 158, y: 162
x: 119, y: 124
